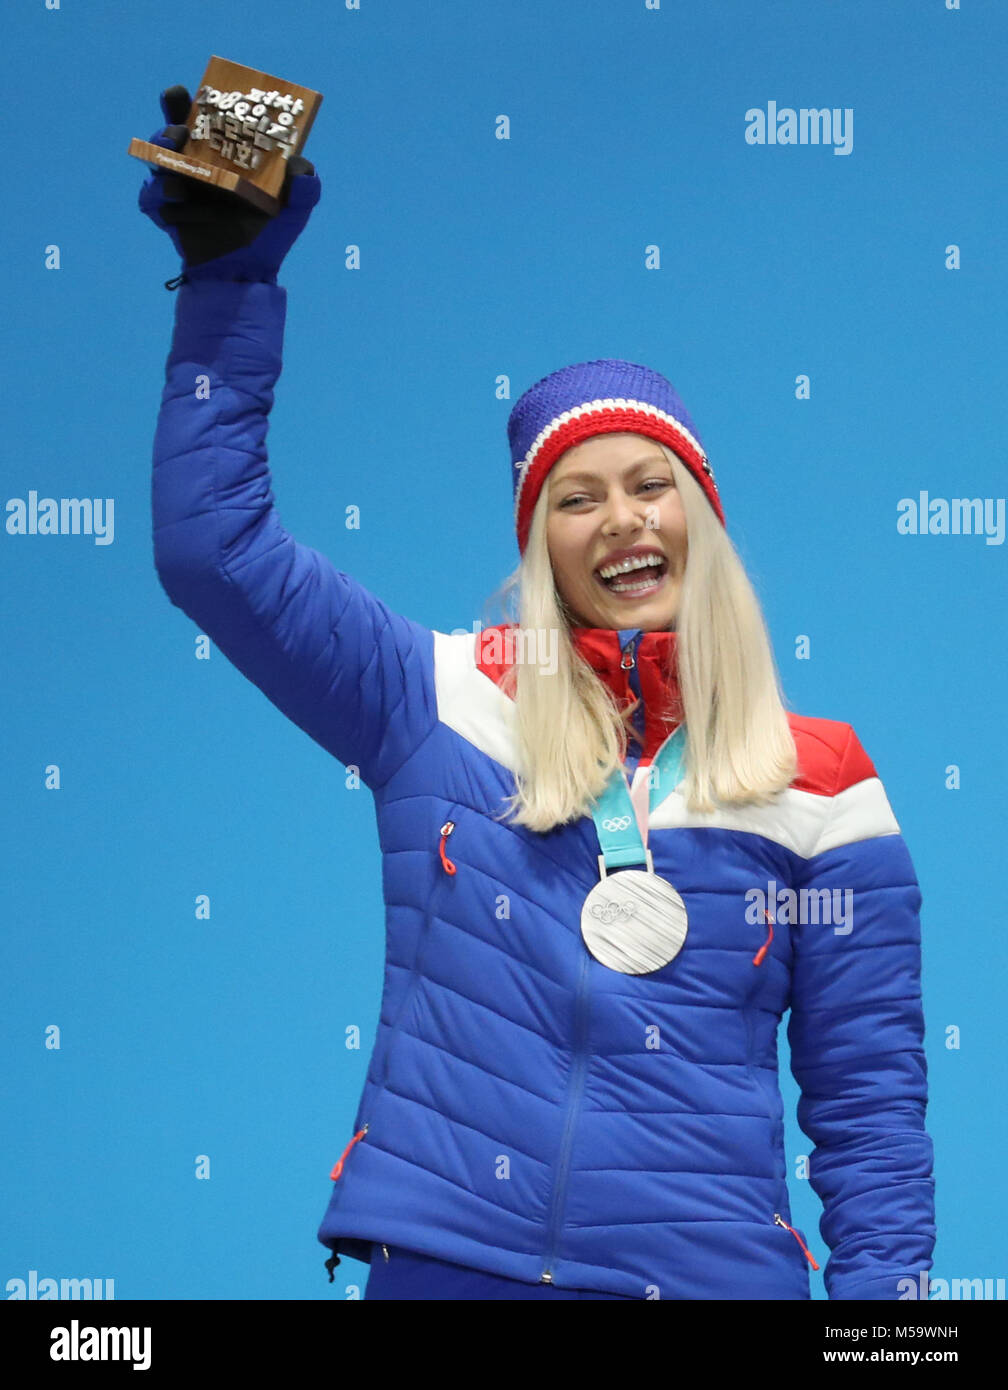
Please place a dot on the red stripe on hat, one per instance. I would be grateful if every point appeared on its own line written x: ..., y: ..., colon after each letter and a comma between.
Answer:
x: 608, y: 420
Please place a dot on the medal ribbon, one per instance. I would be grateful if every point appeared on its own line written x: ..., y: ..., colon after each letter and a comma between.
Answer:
x: 614, y: 815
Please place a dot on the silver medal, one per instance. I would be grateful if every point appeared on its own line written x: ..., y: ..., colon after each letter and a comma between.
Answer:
x: 633, y: 921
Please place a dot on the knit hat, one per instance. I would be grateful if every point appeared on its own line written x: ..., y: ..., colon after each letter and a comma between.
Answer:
x: 602, y: 397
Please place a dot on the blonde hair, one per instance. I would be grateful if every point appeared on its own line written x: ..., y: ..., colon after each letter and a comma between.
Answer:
x: 570, y: 733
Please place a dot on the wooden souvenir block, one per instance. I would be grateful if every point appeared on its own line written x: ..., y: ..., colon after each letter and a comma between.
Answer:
x: 243, y: 127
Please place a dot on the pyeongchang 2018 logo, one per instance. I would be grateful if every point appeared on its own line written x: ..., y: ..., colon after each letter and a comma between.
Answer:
x: 804, y: 126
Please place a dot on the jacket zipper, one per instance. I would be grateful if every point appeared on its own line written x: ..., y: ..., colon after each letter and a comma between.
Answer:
x: 781, y: 1222
x: 446, y: 863
x: 627, y: 662
x: 338, y: 1165
x: 449, y: 869
x: 758, y: 957
x: 573, y: 1106
x: 629, y: 651
x: 338, y: 1169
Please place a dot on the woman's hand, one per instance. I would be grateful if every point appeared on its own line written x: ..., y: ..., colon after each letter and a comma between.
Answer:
x: 219, y: 235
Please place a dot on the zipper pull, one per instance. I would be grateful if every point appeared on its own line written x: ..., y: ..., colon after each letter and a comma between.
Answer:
x: 781, y: 1222
x: 629, y: 652
x: 446, y: 830
x: 338, y: 1166
x: 758, y: 957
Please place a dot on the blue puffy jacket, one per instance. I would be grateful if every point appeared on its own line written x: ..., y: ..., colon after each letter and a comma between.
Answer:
x: 526, y: 1111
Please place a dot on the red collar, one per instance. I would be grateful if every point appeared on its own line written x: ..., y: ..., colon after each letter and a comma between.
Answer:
x: 600, y: 647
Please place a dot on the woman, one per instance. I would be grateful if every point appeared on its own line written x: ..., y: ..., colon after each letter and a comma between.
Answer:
x: 574, y: 1090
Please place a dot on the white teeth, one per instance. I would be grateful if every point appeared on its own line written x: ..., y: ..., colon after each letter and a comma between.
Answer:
x: 642, y: 586
x: 626, y: 565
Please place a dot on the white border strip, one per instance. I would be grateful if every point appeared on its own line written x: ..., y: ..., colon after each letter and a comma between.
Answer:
x: 804, y: 822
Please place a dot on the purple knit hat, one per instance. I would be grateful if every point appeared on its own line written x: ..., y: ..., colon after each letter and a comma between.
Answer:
x: 602, y: 397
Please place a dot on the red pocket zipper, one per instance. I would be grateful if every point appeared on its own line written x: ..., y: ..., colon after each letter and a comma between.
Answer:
x: 758, y: 957
x: 781, y: 1222
x: 446, y: 863
x: 338, y: 1165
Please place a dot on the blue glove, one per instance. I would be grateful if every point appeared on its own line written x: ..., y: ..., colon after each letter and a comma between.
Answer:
x: 219, y: 235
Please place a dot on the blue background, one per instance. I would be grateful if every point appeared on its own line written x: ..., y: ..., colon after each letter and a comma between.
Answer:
x: 480, y: 257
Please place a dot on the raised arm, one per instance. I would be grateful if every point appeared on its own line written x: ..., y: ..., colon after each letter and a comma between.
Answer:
x: 353, y: 675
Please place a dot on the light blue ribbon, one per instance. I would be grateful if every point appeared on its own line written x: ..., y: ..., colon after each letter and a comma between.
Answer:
x: 614, y: 815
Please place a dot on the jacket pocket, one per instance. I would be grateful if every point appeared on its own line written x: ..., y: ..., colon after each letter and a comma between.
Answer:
x: 445, y: 871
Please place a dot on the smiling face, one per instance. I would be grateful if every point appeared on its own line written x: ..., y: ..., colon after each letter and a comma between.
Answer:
x: 611, y: 493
